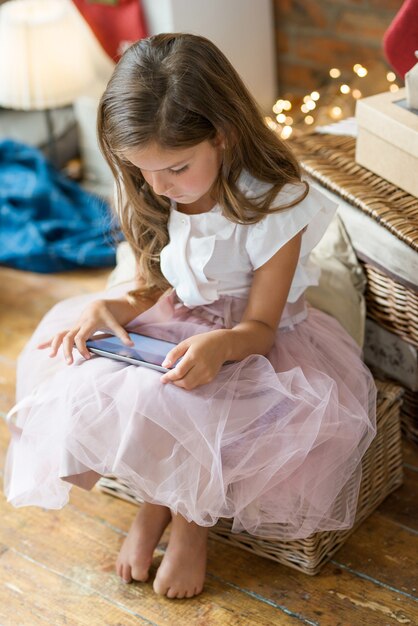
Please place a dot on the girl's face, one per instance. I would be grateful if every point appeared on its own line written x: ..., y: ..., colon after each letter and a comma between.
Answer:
x: 185, y: 175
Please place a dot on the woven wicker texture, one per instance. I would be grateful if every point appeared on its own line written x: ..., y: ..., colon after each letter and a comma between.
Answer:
x: 382, y: 473
x: 391, y: 305
x: 409, y: 415
x: 329, y: 159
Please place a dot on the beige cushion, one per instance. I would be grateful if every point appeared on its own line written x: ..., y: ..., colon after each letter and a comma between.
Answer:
x: 342, y: 282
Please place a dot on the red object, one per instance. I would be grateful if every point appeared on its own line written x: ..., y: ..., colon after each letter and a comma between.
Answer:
x: 401, y: 38
x: 115, y: 26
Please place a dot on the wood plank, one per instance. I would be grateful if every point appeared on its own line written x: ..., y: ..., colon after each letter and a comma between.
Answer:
x: 4, y: 440
x: 384, y: 552
x: 84, y: 550
x: 7, y: 383
x: 326, y: 595
x: 402, y: 505
x: 335, y: 596
x: 34, y: 595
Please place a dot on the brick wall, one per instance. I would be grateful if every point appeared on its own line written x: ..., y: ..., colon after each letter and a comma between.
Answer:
x: 314, y: 35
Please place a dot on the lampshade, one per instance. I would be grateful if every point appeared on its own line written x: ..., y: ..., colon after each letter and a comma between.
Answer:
x: 45, y: 54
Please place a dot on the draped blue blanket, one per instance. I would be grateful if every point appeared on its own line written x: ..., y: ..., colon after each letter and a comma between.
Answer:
x: 47, y: 222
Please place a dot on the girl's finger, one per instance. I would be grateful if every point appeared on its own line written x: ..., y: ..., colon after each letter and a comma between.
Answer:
x: 178, y: 373
x: 118, y: 330
x: 68, y: 346
x: 80, y: 343
x: 174, y: 354
x: 45, y: 344
x: 56, y: 343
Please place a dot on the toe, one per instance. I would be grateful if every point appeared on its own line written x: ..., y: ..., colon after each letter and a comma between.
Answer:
x: 172, y: 593
x: 126, y: 574
x: 139, y: 573
x: 159, y: 587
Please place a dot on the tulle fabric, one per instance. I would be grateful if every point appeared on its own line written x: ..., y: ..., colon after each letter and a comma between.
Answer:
x: 273, y: 442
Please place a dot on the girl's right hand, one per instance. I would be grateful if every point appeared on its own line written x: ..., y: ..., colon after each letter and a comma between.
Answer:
x: 97, y: 316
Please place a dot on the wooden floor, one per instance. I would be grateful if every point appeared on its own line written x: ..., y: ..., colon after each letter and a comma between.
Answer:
x: 56, y: 567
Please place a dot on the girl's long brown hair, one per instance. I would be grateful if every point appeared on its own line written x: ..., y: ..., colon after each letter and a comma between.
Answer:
x: 178, y: 90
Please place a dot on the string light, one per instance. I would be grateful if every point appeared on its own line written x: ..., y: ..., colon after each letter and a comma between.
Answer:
x: 360, y: 70
x: 336, y: 113
x: 270, y: 123
x: 278, y: 106
x: 330, y: 99
x: 286, y: 132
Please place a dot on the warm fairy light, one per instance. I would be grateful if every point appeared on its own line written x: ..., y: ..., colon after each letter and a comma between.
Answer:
x: 315, y: 95
x: 309, y: 120
x: 286, y: 132
x: 310, y: 105
x: 345, y: 89
x: 307, y: 99
x: 336, y: 113
x: 391, y: 76
x: 334, y: 72
x: 288, y: 120
x: 356, y: 67
x: 281, y: 118
x: 361, y: 72
x: 278, y: 107
x: 270, y: 123
x: 393, y: 87
x: 304, y: 108
x: 287, y: 105
x: 356, y: 93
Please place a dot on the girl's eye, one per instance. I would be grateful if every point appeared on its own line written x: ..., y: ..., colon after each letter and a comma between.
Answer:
x: 180, y: 171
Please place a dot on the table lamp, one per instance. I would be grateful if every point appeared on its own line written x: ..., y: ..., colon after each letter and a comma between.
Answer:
x: 48, y: 57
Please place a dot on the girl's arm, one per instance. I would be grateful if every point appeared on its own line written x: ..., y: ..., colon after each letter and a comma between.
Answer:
x: 204, y: 354
x: 107, y: 314
x: 255, y: 333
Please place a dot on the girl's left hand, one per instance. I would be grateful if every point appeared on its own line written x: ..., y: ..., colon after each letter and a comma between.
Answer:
x: 203, y: 356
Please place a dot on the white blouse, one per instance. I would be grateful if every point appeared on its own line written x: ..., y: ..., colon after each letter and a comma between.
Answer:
x: 209, y: 256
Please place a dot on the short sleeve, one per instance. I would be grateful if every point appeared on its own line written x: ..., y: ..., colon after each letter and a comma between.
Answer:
x: 314, y: 213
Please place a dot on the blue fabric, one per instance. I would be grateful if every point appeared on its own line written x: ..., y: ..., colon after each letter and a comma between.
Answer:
x: 48, y: 223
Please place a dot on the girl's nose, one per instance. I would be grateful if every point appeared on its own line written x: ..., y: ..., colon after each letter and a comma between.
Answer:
x: 160, y: 184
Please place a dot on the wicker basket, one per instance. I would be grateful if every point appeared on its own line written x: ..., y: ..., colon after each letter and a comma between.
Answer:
x: 330, y: 160
x: 391, y: 305
x: 382, y: 473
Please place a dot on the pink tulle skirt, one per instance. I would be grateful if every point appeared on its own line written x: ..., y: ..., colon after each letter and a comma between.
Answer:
x: 274, y: 442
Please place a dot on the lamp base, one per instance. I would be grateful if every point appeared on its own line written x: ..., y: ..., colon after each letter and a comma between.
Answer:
x: 51, y: 146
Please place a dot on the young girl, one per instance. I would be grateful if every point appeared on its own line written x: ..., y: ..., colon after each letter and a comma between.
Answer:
x: 266, y: 417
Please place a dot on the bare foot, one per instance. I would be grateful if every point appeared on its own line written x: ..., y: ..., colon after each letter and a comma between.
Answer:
x: 135, y: 556
x: 182, y: 570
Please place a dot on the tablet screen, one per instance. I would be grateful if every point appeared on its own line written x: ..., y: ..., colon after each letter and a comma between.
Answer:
x: 146, y: 349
